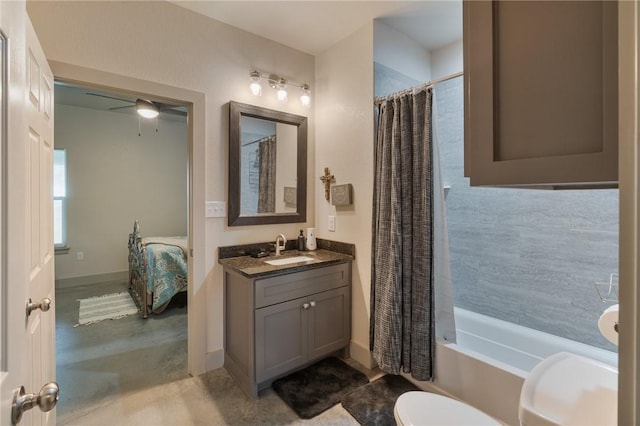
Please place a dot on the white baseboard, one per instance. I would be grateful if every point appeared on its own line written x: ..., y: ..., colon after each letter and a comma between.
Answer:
x: 362, y: 354
x: 215, y: 360
x: 92, y: 279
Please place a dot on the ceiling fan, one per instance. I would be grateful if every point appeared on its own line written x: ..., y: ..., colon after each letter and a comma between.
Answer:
x: 144, y: 107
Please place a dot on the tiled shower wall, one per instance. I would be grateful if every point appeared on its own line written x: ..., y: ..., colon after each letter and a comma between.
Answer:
x: 526, y: 256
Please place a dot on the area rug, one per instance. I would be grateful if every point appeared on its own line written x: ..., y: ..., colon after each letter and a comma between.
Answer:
x: 109, y: 306
x: 318, y: 387
x: 372, y: 404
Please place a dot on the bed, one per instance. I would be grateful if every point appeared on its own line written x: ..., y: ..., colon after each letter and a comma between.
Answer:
x: 157, y: 270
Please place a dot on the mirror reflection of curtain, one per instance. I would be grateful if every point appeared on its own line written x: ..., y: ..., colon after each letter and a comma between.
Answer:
x: 267, y: 175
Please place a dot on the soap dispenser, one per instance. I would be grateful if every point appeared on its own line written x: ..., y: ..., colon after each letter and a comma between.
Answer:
x: 301, y: 241
x: 311, y: 239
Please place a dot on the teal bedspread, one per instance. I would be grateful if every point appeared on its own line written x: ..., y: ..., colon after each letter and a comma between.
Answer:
x: 166, y: 273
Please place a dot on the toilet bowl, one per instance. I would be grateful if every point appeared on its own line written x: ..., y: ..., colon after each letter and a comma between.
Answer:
x: 431, y: 409
x: 562, y: 390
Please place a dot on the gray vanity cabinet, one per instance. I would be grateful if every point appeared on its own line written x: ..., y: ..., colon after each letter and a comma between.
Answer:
x: 289, y: 334
x: 278, y: 324
x: 540, y: 96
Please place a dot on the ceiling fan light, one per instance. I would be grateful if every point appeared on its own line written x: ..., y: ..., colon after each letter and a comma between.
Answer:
x: 146, y: 109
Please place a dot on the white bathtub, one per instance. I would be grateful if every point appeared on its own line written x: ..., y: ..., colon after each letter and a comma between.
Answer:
x: 491, y: 359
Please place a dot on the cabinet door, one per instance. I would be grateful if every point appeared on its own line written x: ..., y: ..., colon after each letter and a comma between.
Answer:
x: 329, y: 321
x: 281, y: 338
x: 541, y: 85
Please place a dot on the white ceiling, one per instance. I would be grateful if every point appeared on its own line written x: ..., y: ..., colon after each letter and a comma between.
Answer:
x: 313, y: 26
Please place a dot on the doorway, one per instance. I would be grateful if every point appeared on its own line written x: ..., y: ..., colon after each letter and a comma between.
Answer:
x: 117, y: 167
x: 197, y: 357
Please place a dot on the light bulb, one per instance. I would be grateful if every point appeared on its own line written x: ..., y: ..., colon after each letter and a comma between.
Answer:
x: 255, y: 86
x: 282, y: 91
x: 256, y: 89
x: 305, y: 98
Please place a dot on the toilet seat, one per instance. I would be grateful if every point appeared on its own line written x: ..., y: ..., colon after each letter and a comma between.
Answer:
x: 425, y: 409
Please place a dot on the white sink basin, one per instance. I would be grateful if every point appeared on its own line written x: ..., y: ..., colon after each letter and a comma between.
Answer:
x: 288, y: 260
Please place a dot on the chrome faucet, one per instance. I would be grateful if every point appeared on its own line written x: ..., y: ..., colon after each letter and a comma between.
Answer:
x: 278, y: 246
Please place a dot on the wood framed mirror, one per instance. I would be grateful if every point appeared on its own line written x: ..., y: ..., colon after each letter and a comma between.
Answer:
x: 267, y: 166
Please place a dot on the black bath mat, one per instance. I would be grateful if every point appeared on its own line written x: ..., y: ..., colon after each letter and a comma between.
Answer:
x: 372, y: 404
x: 318, y: 387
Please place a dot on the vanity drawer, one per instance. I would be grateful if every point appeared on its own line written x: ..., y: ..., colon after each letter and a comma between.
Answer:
x: 285, y: 287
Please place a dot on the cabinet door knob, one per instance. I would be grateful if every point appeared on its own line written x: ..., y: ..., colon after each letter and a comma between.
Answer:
x: 313, y: 303
x: 305, y: 306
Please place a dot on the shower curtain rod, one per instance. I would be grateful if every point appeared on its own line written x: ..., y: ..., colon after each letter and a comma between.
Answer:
x: 430, y: 83
x: 257, y: 140
x: 445, y: 78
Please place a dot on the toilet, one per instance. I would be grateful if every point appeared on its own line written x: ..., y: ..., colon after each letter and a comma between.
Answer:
x: 562, y: 390
x: 569, y: 390
x: 430, y: 409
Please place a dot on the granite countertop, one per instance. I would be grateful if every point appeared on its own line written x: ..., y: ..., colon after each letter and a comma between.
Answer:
x: 256, y: 267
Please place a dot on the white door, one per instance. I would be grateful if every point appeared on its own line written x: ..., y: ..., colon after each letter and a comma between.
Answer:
x: 27, y: 344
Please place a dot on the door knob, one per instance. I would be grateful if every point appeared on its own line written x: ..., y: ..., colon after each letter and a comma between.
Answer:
x: 305, y: 306
x: 46, y: 399
x: 312, y: 303
x: 44, y: 305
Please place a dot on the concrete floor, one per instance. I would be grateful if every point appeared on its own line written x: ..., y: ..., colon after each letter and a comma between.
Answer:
x: 132, y: 371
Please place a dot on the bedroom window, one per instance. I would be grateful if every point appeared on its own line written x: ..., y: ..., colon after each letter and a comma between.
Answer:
x: 60, y: 200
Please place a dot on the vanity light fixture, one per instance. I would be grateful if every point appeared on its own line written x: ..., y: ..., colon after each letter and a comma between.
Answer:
x: 255, y: 86
x: 280, y: 85
x: 281, y: 88
x: 305, y: 98
x: 146, y: 109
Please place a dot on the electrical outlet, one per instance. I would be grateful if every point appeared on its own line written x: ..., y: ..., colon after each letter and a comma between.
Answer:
x: 216, y: 209
x: 79, y: 255
x: 331, y: 224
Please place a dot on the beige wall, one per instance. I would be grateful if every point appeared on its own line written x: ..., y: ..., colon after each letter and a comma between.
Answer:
x: 114, y: 177
x: 163, y: 43
x: 286, y: 159
x: 397, y: 51
x: 446, y: 60
x: 344, y: 143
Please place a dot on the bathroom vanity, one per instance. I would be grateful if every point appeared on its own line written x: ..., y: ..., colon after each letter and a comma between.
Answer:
x: 280, y: 318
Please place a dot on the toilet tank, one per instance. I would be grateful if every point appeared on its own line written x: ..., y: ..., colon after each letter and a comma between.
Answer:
x: 567, y: 389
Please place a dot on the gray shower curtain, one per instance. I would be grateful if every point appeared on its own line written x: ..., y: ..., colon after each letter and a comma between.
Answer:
x: 267, y: 175
x: 402, y: 326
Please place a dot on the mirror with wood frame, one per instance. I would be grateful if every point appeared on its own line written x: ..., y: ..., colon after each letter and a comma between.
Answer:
x: 267, y: 166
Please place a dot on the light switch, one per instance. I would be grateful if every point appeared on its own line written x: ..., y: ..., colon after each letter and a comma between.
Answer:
x: 216, y: 209
x: 331, y: 224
